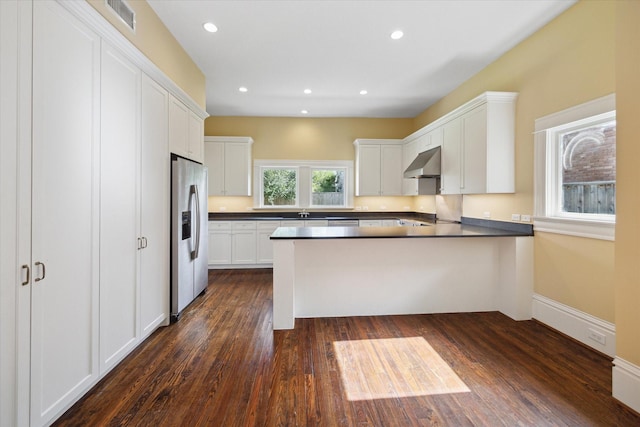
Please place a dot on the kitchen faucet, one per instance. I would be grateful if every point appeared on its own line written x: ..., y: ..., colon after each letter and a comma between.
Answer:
x: 303, y: 214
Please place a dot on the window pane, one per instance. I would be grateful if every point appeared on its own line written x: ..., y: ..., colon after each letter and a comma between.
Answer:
x: 279, y: 187
x: 327, y: 187
x: 589, y: 169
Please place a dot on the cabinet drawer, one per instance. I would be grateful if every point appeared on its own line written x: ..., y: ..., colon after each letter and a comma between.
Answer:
x: 243, y: 225
x: 268, y: 225
x: 219, y: 225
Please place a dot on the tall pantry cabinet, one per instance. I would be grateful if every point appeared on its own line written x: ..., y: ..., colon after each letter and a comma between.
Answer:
x: 65, y: 173
x: 85, y: 196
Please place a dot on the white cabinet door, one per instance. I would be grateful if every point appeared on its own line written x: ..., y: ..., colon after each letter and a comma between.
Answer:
x: 154, y: 213
x: 370, y: 223
x: 219, y: 242
x: 214, y: 159
x: 243, y: 243
x: 450, y: 160
x: 409, y: 153
x: 368, y: 170
x: 474, y: 151
x: 237, y: 169
x: 390, y: 170
x: 195, y: 144
x: 316, y: 223
x: 264, y: 244
x: 119, y: 185
x: 178, y: 127
x: 65, y: 222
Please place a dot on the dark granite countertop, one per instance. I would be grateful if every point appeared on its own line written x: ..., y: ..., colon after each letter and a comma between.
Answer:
x: 278, y: 216
x: 470, y: 227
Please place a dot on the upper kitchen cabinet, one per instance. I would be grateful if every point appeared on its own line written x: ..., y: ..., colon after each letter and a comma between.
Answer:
x: 229, y: 161
x: 478, y: 146
x: 378, y: 167
x: 186, y: 131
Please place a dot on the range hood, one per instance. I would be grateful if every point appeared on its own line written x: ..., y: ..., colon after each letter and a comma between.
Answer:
x: 426, y: 165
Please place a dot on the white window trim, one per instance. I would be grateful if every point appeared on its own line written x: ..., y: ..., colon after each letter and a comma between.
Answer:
x: 304, y: 168
x: 546, y: 170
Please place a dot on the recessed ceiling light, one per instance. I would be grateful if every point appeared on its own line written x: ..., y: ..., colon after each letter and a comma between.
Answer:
x: 304, y: 112
x: 397, y: 35
x: 307, y: 91
x: 363, y: 92
x: 210, y: 26
x: 243, y: 89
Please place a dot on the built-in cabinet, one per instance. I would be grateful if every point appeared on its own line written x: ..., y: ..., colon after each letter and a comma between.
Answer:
x: 134, y: 208
x: 477, y: 142
x: 229, y: 162
x: 92, y: 186
x: 240, y: 242
x: 378, y: 167
x: 186, y: 131
x: 64, y: 229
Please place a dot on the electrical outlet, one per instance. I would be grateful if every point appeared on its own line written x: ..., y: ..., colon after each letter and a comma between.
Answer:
x: 597, y: 336
x: 515, y: 217
x: 358, y: 208
x: 223, y: 208
x: 526, y: 218
x: 487, y: 214
x: 406, y: 208
x: 365, y: 208
x: 383, y: 207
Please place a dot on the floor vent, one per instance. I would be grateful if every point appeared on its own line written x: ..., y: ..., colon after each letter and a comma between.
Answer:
x: 122, y: 9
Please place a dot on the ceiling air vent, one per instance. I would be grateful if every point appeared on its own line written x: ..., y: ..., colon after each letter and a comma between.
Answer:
x: 122, y: 9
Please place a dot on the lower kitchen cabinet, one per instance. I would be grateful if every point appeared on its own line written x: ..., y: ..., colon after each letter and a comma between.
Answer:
x: 219, y: 242
x: 370, y: 223
x: 264, y: 245
x: 243, y: 242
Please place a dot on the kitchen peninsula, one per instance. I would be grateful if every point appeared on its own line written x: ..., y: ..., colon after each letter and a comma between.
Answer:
x: 356, y: 271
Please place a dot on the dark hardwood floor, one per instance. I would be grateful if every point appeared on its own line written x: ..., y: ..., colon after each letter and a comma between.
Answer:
x: 222, y: 365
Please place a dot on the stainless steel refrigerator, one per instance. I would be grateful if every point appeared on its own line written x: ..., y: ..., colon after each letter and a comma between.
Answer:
x: 189, y: 243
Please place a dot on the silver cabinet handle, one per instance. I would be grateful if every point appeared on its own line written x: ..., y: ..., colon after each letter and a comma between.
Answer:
x: 139, y: 243
x: 28, y: 279
x: 145, y: 243
x: 44, y: 271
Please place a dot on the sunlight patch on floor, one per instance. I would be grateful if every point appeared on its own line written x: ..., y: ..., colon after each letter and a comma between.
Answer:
x: 394, y: 367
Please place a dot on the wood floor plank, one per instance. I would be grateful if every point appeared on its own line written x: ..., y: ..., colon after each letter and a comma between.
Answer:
x: 222, y: 365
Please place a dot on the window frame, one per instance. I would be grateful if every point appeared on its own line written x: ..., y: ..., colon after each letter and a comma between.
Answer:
x: 304, y: 186
x: 548, y: 214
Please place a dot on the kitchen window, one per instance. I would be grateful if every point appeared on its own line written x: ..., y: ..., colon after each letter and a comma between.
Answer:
x: 281, y: 184
x: 575, y: 169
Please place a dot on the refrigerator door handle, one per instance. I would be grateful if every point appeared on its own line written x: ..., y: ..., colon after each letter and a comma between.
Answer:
x: 194, y: 191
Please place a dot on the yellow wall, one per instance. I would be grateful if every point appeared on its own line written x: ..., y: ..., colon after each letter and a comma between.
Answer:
x: 154, y: 40
x: 310, y: 139
x: 569, y: 61
x: 627, y: 246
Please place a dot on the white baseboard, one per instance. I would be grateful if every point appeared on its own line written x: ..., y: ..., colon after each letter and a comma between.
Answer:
x: 626, y: 383
x: 589, y: 330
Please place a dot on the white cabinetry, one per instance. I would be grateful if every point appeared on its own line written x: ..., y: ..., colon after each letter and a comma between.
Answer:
x: 450, y: 160
x: 186, y: 131
x: 243, y: 242
x: 119, y: 206
x: 219, y: 242
x: 370, y: 223
x: 477, y: 142
x: 264, y: 244
x: 134, y: 206
x: 65, y: 207
x: 409, y: 153
x: 154, y: 211
x: 378, y: 167
x: 229, y: 163
x: 89, y: 131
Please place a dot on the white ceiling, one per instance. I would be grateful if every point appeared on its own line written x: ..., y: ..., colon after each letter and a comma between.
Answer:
x: 338, y: 47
